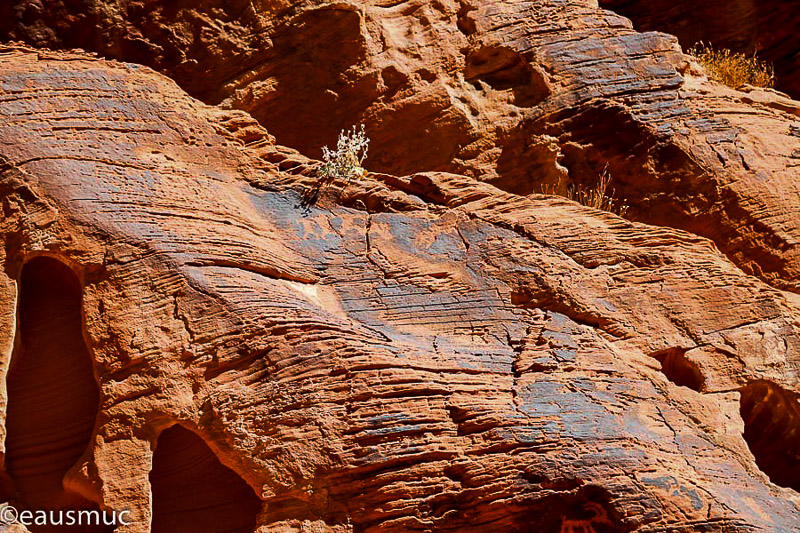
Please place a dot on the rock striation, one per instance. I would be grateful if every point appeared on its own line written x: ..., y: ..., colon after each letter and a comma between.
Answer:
x: 525, y: 95
x: 420, y: 353
x: 742, y: 26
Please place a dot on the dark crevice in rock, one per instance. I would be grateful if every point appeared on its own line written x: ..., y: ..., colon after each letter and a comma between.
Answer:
x: 771, y: 417
x: 193, y: 491
x: 52, y: 393
x: 465, y: 22
x: 680, y: 370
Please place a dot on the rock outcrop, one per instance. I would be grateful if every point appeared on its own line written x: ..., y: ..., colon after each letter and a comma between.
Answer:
x: 524, y: 95
x: 419, y: 353
x: 767, y: 29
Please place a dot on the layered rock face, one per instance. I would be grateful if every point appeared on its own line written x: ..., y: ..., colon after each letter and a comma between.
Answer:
x: 419, y: 353
x: 767, y: 29
x: 435, y: 347
x: 525, y: 95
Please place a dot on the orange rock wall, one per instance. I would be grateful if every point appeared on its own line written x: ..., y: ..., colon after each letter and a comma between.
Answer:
x: 418, y: 353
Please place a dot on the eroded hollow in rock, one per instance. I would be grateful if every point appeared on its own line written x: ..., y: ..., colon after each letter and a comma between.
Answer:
x: 680, y: 370
x: 193, y: 491
x: 53, y: 396
x: 771, y: 417
x: 586, y: 509
x: 308, y: 111
x: 504, y: 69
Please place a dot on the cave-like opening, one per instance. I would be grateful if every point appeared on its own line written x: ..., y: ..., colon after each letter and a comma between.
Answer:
x: 193, y: 491
x: 771, y: 417
x: 680, y: 370
x: 53, y: 396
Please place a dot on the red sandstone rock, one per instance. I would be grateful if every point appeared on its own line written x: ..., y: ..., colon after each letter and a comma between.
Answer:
x: 521, y: 94
x: 766, y: 28
x: 419, y: 353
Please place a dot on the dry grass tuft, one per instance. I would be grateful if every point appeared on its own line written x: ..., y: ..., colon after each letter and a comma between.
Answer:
x: 732, y: 68
x: 600, y: 196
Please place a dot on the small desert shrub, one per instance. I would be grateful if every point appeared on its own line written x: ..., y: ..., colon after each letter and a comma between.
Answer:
x: 342, y: 164
x: 600, y: 196
x: 732, y: 68
x: 345, y: 162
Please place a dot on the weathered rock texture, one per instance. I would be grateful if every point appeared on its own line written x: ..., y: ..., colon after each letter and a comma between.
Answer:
x: 426, y: 353
x: 521, y: 94
x: 766, y: 28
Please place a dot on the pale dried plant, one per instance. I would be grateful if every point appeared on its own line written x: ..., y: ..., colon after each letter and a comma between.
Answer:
x: 599, y: 196
x: 734, y: 69
x: 345, y: 163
